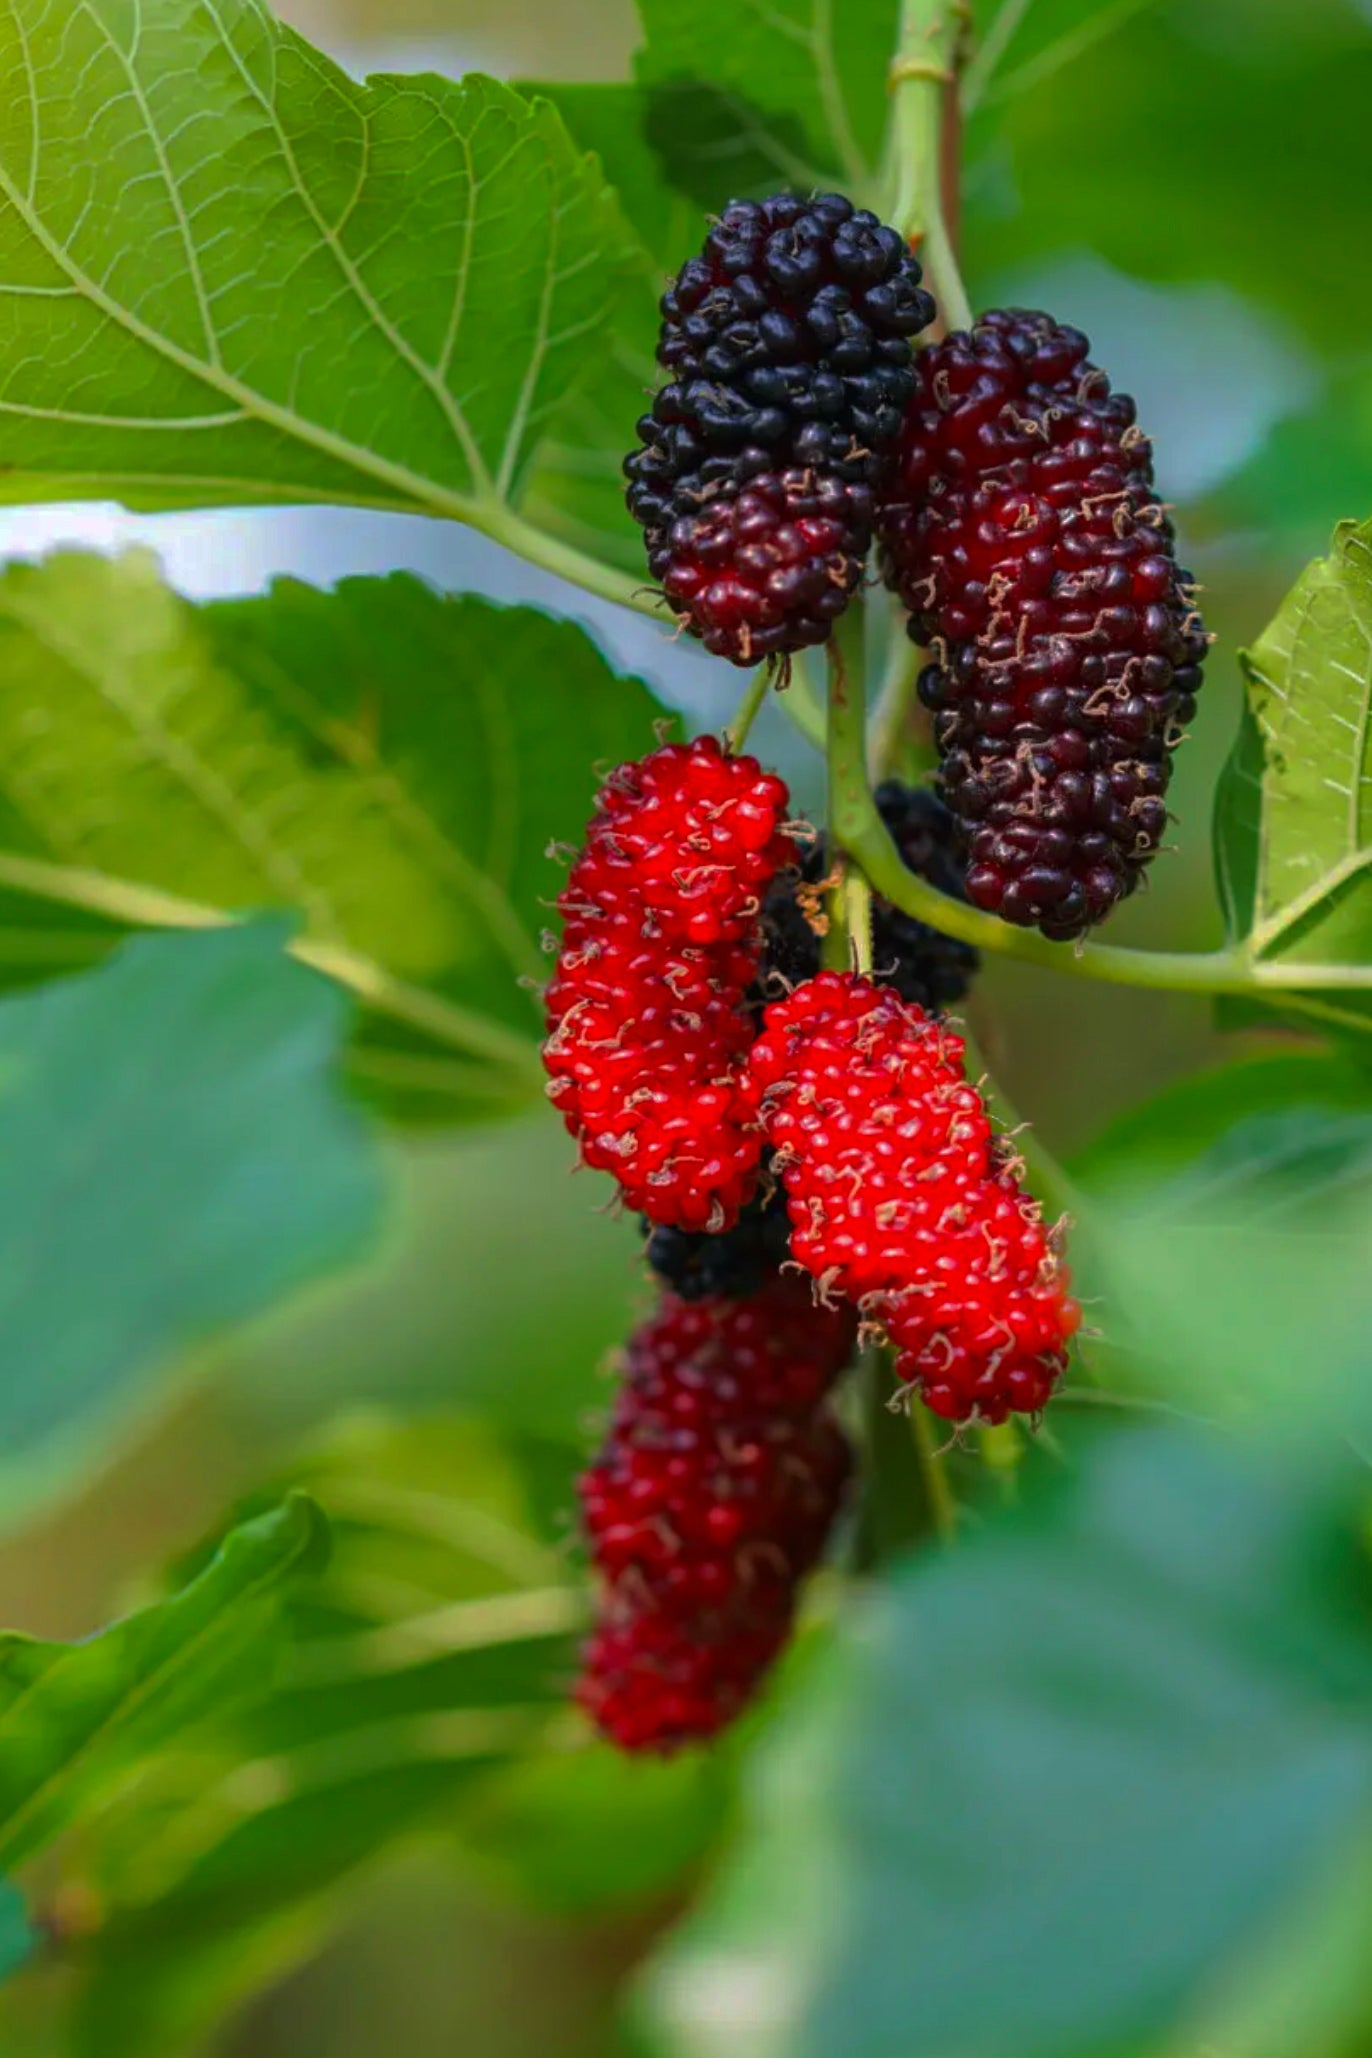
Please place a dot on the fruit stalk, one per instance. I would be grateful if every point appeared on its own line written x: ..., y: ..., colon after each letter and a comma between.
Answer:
x: 923, y: 81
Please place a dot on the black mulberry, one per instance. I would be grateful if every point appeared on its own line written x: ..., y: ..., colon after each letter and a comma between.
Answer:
x: 733, y: 1265
x: 788, y: 344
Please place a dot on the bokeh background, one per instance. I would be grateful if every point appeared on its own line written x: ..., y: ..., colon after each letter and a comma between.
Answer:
x: 1189, y: 185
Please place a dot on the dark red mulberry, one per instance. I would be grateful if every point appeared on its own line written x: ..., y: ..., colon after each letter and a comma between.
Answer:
x: 767, y: 565
x: 789, y: 345
x: 1024, y: 534
x: 903, y: 1199
x: 646, y: 1016
x: 712, y: 1497
x: 648, y: 1684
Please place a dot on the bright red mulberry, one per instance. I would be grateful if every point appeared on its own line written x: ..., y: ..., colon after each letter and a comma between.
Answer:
x: 712, y: 1497
x: 646, y: 1016
x: 789, y: 347
x: 903, y: 1199
x: 1024, y: 534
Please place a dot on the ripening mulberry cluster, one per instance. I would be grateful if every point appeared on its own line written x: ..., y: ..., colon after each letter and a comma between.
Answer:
x: 712, y: 1496
x: 788, y: 345
x: 680, y: 1072
x: 660, y: 945
x: 903, y: 1201
x: 1024, y: 534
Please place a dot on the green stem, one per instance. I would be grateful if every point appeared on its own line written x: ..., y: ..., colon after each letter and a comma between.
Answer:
x: 746, y: 713
x: 857, y: 908
x: 858, y: 829
x: 891, y: 716
x: 800, y: 703
x: 903, y: 1505
x: 591, y: 574
x: 923, y: 97
x: 835, y: 949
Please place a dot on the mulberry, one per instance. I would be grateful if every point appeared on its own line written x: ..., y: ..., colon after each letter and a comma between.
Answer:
x: 789, y: 347
x: 767, y: 567
x: 735, y: 1264
x: 903, y: 1200
x: 649, y: 1685
x: 717, y: 1485
x: 691, y: 836
x: 646, y: 1016
x: 1024, y: 534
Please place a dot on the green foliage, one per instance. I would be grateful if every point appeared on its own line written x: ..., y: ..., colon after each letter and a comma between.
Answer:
x: 1094, y: 1781
x: 75, y: 1719
x: 1080, y: 167
x: 1285, y: 1131
x: 1019, y: 46
x: 174, y: 1156
x: 1310, y: 689
x: 423, y: 1667
x: 387, y: 763
x: 1051, y: 1789
x: 1291, y: 845
x: 1246, y: 1193
x: 16, y: 1938
x: 239, y: 173
x: 801, y: 87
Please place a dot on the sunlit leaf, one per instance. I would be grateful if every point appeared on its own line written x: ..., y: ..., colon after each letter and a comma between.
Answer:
x: 388, y: 764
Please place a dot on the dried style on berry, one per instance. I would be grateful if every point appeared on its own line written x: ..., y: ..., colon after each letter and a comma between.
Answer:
x: 904, y: 1201
x: 1024, y: 534
x: 646, y: 1016
x: 788, y: 348
x: 711, y: 1499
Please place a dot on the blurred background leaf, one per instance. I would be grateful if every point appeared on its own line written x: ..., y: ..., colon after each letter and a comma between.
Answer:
x: 75, y: 1718
x: 174, y: 1156
x: 1049, y: 1787
x: 423, y: 1667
